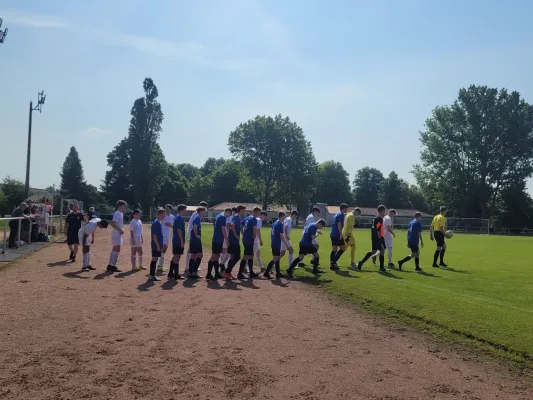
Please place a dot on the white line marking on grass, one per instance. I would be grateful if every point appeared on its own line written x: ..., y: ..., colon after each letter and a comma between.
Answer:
x: 483, y: 300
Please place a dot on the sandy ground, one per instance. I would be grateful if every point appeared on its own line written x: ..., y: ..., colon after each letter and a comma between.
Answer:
x: 68, y: 335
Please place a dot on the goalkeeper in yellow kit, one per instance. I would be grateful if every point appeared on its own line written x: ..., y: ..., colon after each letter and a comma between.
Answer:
x: 348, y: 233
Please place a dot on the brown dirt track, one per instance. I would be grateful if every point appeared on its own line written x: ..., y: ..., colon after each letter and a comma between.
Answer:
x: 66, y: 335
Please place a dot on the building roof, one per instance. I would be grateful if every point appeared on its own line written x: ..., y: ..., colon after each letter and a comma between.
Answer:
x: 249, y: 206
x: 367, y: 211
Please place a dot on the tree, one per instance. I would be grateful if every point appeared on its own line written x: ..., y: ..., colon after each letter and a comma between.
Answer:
x: 516, y: 207
x: 72, y: 178
x: 175, y: 188
x: 417, y: 199
x: 394, y: 192
x: 366, y: 186
x: 475, y: 149
x: 147, y: 174
x: 276, y: 157
x: 210, y: 165
x: 12, y: 191
x: 332, y: 184
x: 188, y: 171
x: 200, y: 189
x: 228, y: 182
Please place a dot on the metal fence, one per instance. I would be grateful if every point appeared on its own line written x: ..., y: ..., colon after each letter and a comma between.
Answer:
x: 55, y: 226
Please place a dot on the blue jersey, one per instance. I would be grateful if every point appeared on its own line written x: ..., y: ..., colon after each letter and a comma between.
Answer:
x: 178, y: 226
x: 237, y: 222
x: 220, y: 222
x: 307, y: 237
x: 248, y: 231
x: 198, y: 223
x: 339, y: 217
x: 275, y: 238
x: 415, y: 227
x: 156, y: 230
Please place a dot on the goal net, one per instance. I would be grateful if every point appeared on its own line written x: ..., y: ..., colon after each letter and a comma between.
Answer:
x: 469, y: 225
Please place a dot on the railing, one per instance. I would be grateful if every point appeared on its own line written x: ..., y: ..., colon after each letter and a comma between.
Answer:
x: 55, y: 225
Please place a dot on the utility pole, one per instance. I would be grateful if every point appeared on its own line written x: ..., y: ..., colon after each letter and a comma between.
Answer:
x: 41, y: 97
x: 3, y: 33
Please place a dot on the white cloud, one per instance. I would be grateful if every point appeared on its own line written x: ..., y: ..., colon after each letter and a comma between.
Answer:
x: 32, y: 20
x: 94, y: 132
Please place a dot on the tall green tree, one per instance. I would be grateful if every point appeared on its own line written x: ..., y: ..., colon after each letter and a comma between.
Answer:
x: 188, y: 171
x: 228, y: 182
x: 12, y: 194
x: 332, y: 184
x: 418, y: 199
x: 476, y: 148
x: 276, y: 157
x: 175, y: 188
x: 200, y: 189
x: 394, y: 192
x: 72, y: 178
x: 210, y: 165
x: 366, y: 187
x: 147, y: 175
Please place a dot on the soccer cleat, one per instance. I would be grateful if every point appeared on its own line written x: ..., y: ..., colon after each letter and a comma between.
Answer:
x: 317, y: 271
x: 391, y: 265
x: 382, y: 269
x: 374, y: 260
x: 171, y: 276
x: 241, y: 276
x: 140, y: 267
x: 178, y: 276
x: 280, y: 276
x: 435, y: 266
x: 154, y: 278
x: 228, y: 276
x: 253, y: 275
x: 418, y: 269
x: 218, y: 276
x: 301, y: 264
x: 111, y: 269
x: 161, y: 269
x: 73, y: 259
x: 85, y: 269
x: 442, y: 264
x: 354, y: 265
x: 289, y: 273
x: 134, y: 269
x: 400, y: 263
x: 334, y: 267
x: 210, y: 277
x: 267, y: 275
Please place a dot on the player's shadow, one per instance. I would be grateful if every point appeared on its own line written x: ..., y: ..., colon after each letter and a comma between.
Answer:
x: 226, y: 285
x: 102, y: 275
x: 344, y: 273
x: 75, y: 274
x: 125, y: 274
x: 459, y: 271
x: 424, y: 273
x: 169, y: 284
x: 59, y: 263
x: 388, y: 274
x: 144, y: 287
x: 248, y: 283
x: 313, y: 280
x: 189, y: 282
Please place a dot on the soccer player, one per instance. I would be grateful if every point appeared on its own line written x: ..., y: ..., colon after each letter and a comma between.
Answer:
x: 378, y: 242
x: 73, y: 224
x: 287, y: 227
x: 224, y: 258
x: 116, y: 235
x: 168, y: 223
x: 189, y: 226
x: 178, y: 242
x: 136, y: 241
x: 157, y: 242
x: 348, y: 234
x: 195, y: 243
x: 234, y: 248
x: 277, y: 236
x: 337, y: 241
x: 249, y: 233
x: 414, y: 236
x: 389, y: 234
x: 85, y: 238
x: 311, y: 218
x: 220, y: 236
x: 307, y: 247
x: 437, y: 231
x: 259, y: 240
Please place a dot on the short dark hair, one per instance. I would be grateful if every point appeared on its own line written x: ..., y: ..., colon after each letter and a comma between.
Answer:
x: 203, y: 204
x: 136, y: 211
x: 358, y: 210
x: 381, y: 207
x: 294, y: 212
x: 240, y: 208
x: 315, y: 208
x: 160, y: 211
x: 169, y: 206
x: 257, y: 209
x: 343, y: 206
x: 281, y: 214
x: 103, y: 223
x: 392, y: 210
x: 121, y: 203
x: 227, y: 209
x: 234, y: 209
x: 321, y: 221
x: 199, y: 209
x: 264, y: 213
x: 182, y: 207
x: 417, y: 214
x: 442, y: 209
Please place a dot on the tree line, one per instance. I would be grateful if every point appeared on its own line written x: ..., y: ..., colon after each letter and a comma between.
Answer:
x: 476, y: 157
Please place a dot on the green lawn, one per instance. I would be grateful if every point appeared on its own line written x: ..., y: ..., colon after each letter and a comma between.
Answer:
x: 485, y: 295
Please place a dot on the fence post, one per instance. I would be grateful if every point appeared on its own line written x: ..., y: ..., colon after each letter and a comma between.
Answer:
x: 5, y: 236
x: 19, y: 232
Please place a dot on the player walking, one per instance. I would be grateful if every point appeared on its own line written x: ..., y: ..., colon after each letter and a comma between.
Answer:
x: 437, y: 231
x: 389, y: 234
x: 337, y: 241
x: 414, y: 237
x: 168, y: 223
x: 234, y: 248
x: 307, y: 247
x: 224, y: 258
x: 156, y: 242
x: 85, y: 238
x: 348, y: 233
x: 259, y: 240
x: 378, y: 241
x: 220, y: 236
x: 311, y: 218
x: 178, y: 242
x: 189, y: 226
x: 249, y: 233
x: 277, y: 236
x: 195, y: 243
x: 287, y: 227
x: 136, y: 241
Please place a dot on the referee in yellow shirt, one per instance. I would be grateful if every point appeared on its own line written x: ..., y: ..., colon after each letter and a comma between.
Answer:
x: 348, y: 234
x: 436, y: 231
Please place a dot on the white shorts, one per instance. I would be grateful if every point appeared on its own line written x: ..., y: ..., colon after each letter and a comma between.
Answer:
x: 116, y: 238
x: 136, y: 242
x: 283, y: 247
x: 388, y: 242
x: 257, y: 247
x: 165, y: 240
x: 80, y: 238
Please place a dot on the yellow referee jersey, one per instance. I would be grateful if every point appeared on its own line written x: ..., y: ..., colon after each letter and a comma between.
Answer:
x: 349, y: 222
x: 439, y: 222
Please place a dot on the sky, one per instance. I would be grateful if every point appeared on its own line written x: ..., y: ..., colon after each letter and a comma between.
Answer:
x: 360, y: 77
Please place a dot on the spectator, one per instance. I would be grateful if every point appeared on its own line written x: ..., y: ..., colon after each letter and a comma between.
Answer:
x: 20, y: 211
x: 92, y: 213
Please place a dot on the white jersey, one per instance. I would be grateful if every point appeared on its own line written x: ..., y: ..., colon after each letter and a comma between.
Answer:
x: 228, y: 220
x: 118, y: 218
x: 136, y: 226
x: 287, y: 223
x: 90, y: 227
x: 169, y: 219
x: 308, y: 221
x: 189, y: 225
x: 387, y: 221
x: 259, y: 226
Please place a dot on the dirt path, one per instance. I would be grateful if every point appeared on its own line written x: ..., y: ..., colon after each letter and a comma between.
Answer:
x: 65, y: 335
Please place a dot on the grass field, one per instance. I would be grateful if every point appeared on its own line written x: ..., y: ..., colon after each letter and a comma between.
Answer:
x: 485, y: 295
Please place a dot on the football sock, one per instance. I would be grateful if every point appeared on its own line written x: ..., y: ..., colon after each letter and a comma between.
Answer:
x: 436, y: 256
x: 216, y: 266
x: 251, y: 265
x: 242, y: 267
x: 88, y: 258
x: 269, y: 266
x: 197, y: 263
x: 278, y: 269
x: 140, y: 260
x: 389, y: 251
x: 338, y: 255
x: 417, y: 262
x: 231, y: 264
x: 191, y: 266
x: 85, y: 262
x: 442, y: 255
x: 210, y: 267
x: 161, y: 260
x: 381, y: 261
x: 332, y: 257
x: 291, y: 258
x: 152, y: 268
x: 259, y: 262
x: 405, y: 259
x: 188, y: 258
x: 365, y: 259
x: 133, y: 260
x: 294, y: 263
x: 111, y: 257
x: 352, y: 254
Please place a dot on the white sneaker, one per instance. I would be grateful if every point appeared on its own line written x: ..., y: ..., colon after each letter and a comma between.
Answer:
x: 155, y: 278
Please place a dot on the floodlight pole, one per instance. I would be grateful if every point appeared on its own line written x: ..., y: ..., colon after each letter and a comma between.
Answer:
x: 41, y: 97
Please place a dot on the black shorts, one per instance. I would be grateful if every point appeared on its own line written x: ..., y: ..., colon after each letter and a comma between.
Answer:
x: 378, y: 244
x: 216, y: 247
x: 337, y: 241
x: 414, y: 248
x: 304, y: 250
x: 234, y: 250
x: 177, y: 249
x: 155, y: 253
x: 248, y: 249
x: 439, y: 238
x: 72, y: 238
x: 195, y: 248
x: 276, y: 252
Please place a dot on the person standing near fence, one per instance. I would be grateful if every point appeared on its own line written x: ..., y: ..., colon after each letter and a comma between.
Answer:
x: 73, y: 224
x: 18, y: 212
